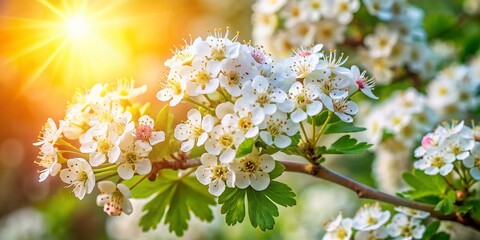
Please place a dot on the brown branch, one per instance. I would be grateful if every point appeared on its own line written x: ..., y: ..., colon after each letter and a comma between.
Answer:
x: 318, y: 171
x: 366, y: 192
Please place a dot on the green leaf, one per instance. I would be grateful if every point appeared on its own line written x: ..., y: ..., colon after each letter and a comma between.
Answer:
x: 424, y: 186
x: 233, y: 200
x: 447, y: 203
x: 441, y: 236
x: 431, y: 229
x: 164, y: 122
x: 179, y: 196
x: 245, y: 147
x: 277, y: 171
x: 261, y: 210
x: 345, y: 145
x: 342, y: 127
x: 262, y: 205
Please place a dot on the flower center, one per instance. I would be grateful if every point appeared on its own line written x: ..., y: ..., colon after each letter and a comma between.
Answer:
x: 407, y: 231
x: 477, y: 162
x: 220, y: 172
x: 245, y: 123
x: 226, y: 140
x: 438, y: 161
x: 371, y: 220
x: 104, y: 146
x: 341, y: 233
x: 274, y: 129
x: 218, y: 53
x: 197, y: 131
x: 262, y: 98
x: 175, y: 86
x: 202, y: 77
x: 131, y: 157
x: 233, y: 78
x: 455, y: 149
x: 250, y: 165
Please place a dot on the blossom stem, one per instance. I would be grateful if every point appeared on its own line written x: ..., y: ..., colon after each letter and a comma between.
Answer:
x: 304, y: 133
x: 62, y: 142
x: 324, y: 126
x: 200, y: 105
x: 73, y: 152
x: 209, y: 99
x: 105, y: 175
x: 105, y: 169
x: 138, y: 182
x: 220, y: 90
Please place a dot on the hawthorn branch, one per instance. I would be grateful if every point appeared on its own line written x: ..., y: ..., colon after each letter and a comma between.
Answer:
x: 366, y: 192
x: 318, y: 171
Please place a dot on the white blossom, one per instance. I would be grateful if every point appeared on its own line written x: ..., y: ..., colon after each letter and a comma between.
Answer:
x: 79, y: 174
x: 224, y: 141
x: 114, y: 199
x: 338, y: 229
x: 473, y: 161
x: 403, y: 227
x: 134, y: 158
x: 302, y: 102
x: 370, y: 217
x: 194, y: 130
x: 277, y: 129
x: 214, y: 174
x: 252, y: 170
x: 49, y: 136
x: 436, y: 161
x: 145, y: 131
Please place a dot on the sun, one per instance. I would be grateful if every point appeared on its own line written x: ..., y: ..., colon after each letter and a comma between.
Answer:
x: 77, y: 27
x: 73, y: 42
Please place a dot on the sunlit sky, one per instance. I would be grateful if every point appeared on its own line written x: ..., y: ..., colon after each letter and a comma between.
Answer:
x: 49, y: 48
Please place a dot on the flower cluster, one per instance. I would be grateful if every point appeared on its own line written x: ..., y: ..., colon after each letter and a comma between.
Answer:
x: 283, y: 25
x: 454, y: 90
x: 403, y: 117
x: 371, y: 222
x: 448, y: 147
x: 397, y: 41
x: 242, y: 94
x: 113, y: 139
x: 400, y: 41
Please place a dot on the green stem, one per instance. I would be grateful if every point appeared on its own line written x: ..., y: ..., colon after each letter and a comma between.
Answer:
x: 62, y: 142
x: 220, y: 90
x: 324, y: 126
x: 74, y: 152
x: 105, y: 169
x: 138, y: 182
x: 304, y: 133
x: 209, y: 100
x: 200, y: 105
x: 105, y: 175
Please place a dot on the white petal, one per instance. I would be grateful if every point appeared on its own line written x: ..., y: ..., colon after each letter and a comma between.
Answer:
x: 228, y: 155
x: 282, y: 141
x: 298, y: 115
x: 97, y: 158
x: 204, y: 175
x: 113, y: 154
x: 125, y: 171
x: 107, y: 187
x: 267, y: 163
x: 208, y: 160
x: 260, y: 181
x: 124, y: 190
x: 216, y: 187
x: 314, y: 108
x: 157, y: 137
x: 241, y: 179
x: 143, y: 166
x: 266, y: 137
x: 344, y: 117
x: 187, y: 145
x: 182, y: 131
